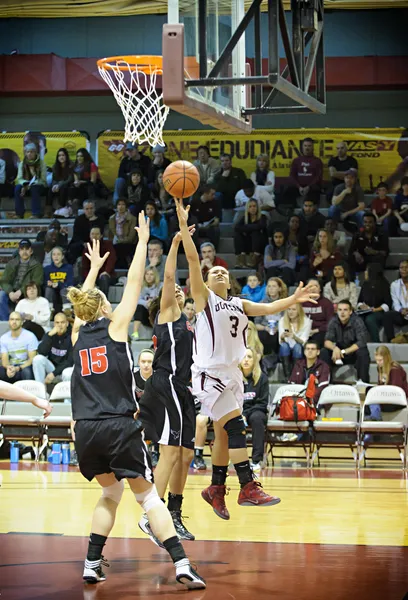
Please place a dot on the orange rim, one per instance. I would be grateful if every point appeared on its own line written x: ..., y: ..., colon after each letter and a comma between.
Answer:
x: 144, y: 63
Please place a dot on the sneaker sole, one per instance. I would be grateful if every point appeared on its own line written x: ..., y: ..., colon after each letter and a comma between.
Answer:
x: 223, y: 517
x: 249, y: 503
x: 93, y: 580
x: 146, y: 531
x: 191, y: 584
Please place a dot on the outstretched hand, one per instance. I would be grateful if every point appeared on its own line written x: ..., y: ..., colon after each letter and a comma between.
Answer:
x: 182, y: 212
x: 143, y: 230
x: 178, y: 237
x: 303, y: 294
x: 93, y: 255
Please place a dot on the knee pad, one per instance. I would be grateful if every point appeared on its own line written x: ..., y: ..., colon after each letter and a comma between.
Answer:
x: 114, y: 492
x: 149, y: 499
x: 236, y: 432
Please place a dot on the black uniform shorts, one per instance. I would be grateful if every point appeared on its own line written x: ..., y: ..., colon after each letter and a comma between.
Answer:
x: 115, y: 445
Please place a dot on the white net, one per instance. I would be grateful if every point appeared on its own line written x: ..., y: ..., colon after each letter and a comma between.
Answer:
x: 134, y: 89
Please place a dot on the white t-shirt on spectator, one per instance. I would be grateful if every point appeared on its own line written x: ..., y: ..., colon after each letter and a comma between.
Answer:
x: 269, y: 187
x: 260, y: 194
x: 18, y: 348
x: 303, y: 333
x: 38, y: 308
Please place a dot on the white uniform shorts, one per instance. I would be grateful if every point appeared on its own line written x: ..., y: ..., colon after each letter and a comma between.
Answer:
x: 220, y: 392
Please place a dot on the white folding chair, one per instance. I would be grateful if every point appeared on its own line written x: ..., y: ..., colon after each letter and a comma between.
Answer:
x: 33, y: 387
x: 394, y: 422
x: 62, y: 391
x: 338, y: 424
x: 277, y: 426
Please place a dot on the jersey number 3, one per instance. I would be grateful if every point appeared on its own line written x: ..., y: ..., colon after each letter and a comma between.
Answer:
x: 234, y: 326
x: 93, y: 360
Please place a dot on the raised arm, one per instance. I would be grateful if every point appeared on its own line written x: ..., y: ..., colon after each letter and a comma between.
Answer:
x: 302, y: 294
x: 199, y: 290
x: 123, y: 314
x: 11, y: 392
x: 169, y: 308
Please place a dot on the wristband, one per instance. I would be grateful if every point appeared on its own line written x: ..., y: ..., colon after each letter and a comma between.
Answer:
x: 343, y: 352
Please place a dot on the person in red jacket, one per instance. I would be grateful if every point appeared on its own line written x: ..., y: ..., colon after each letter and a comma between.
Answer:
x: 306, y: 173
x: 107, y: 272
x: 390, y: 372
x: 320, y: 313
x: 311, y: 365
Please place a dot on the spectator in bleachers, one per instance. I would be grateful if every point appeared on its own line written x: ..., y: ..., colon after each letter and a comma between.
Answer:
x: 390, y: 372
x: 312, y: 364
x: 62, y: 236
x: 339, y: 165
x: 58, y: 277
x: 156, y: 257
x: 158, y: 224
x: 228, y: 181
x: 209, y: 258
x: 294, y: 331
x: 159, y: 163
x: 189, y: 311
x: 401, y: 204
x: 339, y: 237
x: 399, y: 295
x: 54, y: 361
x: 251, y: 192
x: 207, y: 166
x: 348, y: 202
x: 368, y: 246
x: 253, y: 341
x: 381, y: 207
x: 311, y: 220
x: 106, y: 273
x: 149, y: 292
x: 256, y: 398
x: 164, y: 201
x: 18, y: 348
x: 250, y: 236
x: 42, y: 250
x: 122, y: 234
x: 263, y: 176
x: 82, y: 228
x: 3, y: 189
x: 280, y: 258
x: 137, y: 192
x: 340, y: 287
x: 31, y: 181
x: 18, y: 272
x: 374, y: 300
x: 131, y: 160
x: 298, y: 241
x: 346, y: 341
x: 323, y: 256
x: 34, y: 310
x: 208, y: 211
x: 62, y: 179
x: 267, y: 326
x: 254, y: 289
x: 320, y: 313
x: 306, y: 174
x: 86, y: 177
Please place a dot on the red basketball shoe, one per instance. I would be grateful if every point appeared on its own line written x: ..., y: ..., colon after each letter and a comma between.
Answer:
x: 252, y: 494
x: 215, y: 495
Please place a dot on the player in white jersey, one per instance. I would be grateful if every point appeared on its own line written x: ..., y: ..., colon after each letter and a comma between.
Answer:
x: 218, y: 348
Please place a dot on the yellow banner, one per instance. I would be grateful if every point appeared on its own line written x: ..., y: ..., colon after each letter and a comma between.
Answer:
x: 48, y: 144
x: 378, y: 151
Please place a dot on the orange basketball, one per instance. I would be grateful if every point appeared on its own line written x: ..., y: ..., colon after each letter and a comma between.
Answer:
x: 181, y: 179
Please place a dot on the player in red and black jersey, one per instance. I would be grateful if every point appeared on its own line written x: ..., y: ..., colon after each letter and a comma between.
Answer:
x: 109, y: 437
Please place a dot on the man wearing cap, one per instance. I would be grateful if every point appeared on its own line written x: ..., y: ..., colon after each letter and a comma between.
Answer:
x: 160, y: 163
x: 18, y: 272
x: 133, y: 159
x: 348, y: 200
x: 31, y: 180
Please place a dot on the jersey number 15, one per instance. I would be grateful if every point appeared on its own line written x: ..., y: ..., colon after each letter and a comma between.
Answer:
x: 93, y: 360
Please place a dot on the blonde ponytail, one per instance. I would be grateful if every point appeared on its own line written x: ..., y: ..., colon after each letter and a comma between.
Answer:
x: 87, y: 304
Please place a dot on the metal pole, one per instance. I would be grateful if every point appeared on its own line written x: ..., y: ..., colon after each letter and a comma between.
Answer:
x: 202, y: 37
x: 298, y: 41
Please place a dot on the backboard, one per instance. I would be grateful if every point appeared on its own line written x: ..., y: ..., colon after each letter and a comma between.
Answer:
x: 193, y: 40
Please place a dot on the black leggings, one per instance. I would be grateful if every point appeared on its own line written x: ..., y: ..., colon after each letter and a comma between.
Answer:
x: 142, y: 315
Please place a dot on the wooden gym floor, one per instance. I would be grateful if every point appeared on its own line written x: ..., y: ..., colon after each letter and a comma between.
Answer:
x: 336, y: 535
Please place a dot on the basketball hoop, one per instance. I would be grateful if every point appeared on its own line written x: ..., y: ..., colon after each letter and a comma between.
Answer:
x: 133, y: 81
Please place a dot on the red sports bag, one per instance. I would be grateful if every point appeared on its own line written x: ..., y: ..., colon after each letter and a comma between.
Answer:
x: 299, y: 407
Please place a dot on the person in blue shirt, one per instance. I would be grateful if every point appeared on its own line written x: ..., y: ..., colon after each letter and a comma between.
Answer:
x: 158, y: 223
x: 58, y: 277
x: 254, y: 289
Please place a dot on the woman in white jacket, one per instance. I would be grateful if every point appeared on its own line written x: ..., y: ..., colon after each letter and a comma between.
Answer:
x: 294, y: 331
x: 35, y: 310
x: 262, y: 176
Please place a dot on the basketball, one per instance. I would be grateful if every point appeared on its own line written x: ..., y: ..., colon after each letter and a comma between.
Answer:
x: 181, y: 179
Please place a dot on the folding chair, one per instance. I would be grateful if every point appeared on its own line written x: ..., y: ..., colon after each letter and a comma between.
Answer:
x: 57, y: 425
x: 338, y: 424
x: 33, y: 387
x: 276, y: 426
x: 62, y: 391
x: 20, y: 421
x: 394, y: 423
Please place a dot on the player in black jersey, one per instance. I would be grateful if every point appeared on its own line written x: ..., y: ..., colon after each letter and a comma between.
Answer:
x: 109, y: 438
x: 168, y: 405
x: 145, y: 370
